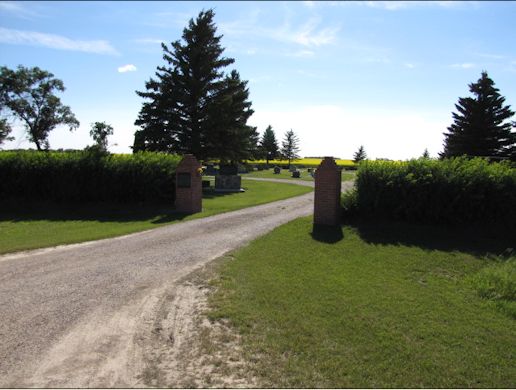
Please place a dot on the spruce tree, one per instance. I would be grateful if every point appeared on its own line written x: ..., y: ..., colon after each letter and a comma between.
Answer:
x: 290, y: 146
x: 269, y: 144
x: 359, y: 155
x: 231, y: 139
x: 481, y: 126
x: 426, y: 154
x: 193, y: 106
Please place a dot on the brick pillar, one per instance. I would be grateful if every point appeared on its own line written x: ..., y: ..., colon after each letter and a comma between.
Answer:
x: 188, y: 185
x: 327, y: 208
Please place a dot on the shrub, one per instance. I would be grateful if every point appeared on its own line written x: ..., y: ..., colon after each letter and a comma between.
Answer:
x: 87, y: 176
x: 451, y: 191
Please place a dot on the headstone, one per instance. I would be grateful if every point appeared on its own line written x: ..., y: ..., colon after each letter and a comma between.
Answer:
x: 228, y: 170
x: 327, y: 208
x: 188, y: 185
x: 228, y: 180
x: 210, y: 170
x: 296, y: 174
x: 277, y: 170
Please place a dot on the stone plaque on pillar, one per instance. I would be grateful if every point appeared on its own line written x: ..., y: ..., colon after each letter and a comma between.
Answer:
x: 327, y: 208
x: 188, y: 185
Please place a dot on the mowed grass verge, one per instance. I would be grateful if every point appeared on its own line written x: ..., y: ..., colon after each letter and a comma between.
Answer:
x: 285, y: 174
x: 371, y: 305
x: 30, y: 226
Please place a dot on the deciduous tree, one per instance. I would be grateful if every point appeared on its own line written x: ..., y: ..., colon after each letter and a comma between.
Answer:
x: 99, y: 132
x: 29, y: 94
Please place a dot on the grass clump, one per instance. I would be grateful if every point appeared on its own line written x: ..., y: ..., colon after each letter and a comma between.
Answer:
x: 385, y: 305
x: 497, y: 283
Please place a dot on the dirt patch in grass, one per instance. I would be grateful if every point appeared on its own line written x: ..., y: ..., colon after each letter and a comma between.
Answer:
x: 187, y: 350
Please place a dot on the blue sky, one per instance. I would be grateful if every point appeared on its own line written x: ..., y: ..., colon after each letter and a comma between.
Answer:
x: 385, y: 75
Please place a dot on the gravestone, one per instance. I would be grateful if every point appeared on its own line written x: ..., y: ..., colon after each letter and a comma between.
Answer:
x: 277, y: 170
x: 210, y: 170
x: 228, y: 180
x: 296, y: 174
x: 188, y: 185
x: 327, y: 208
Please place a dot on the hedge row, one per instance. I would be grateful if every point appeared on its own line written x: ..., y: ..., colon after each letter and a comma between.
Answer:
x: 451, y: 191
x: 86, y: 176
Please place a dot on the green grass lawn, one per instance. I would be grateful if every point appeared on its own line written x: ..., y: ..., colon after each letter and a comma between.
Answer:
x: 369, y: 305
x: 29, y: 226
x: 285, y: 174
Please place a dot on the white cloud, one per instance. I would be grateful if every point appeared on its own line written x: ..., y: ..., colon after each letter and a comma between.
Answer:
x: 309, y: 3
x: 33, y: 38
x: 332, y: 130
x: 127, y: 68
x: 409, y: 65
x: 403, y: 5
x: 150, y: 41
x: 17, y: 9
x: 302, y: 54
x: 466, y: 65
x: 308, y: 34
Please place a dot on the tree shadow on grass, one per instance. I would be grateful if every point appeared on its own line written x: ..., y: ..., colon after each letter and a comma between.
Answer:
x: 101, y: 212
x: 475, y: 240
x: 327, y: 234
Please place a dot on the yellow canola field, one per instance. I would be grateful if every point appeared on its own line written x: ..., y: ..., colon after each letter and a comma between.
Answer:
x: 303, y: 161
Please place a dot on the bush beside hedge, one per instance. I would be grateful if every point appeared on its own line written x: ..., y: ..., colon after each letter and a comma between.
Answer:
x: 451, y: 191
x: 87, y: 176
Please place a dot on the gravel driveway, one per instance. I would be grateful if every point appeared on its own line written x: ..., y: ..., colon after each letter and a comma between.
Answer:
x: 71, y: 315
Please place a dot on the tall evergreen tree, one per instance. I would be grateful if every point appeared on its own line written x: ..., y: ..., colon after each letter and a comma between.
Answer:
x: 481, y: 126
x: 231, y: 139
x: 268, y: 144
x: 192, y: 106
x: 359, y: 155
x: 426, y: 154
x: 290, y: 146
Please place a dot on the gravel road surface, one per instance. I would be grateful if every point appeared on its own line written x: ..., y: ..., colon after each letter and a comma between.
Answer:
x: 71, y: 316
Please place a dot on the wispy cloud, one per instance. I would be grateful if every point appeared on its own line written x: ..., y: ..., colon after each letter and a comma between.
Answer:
x: 17, y: 9
x: 59, y: 42
x: 466, y: 65
x: 409, y: 65
x: 168, y: 19
x: 399, y: 5
x: 309, y: 34
x: 302, y: 54
x: 490, y: 56
x: 149, y: 41
x: 127, y: 68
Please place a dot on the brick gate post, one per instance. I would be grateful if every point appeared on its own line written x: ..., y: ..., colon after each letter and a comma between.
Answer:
x: 188, y: 185
x: 327, y: 208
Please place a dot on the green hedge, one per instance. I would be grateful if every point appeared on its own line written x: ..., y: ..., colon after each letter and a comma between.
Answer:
x: 451, y: 191
x: 87, y: 176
